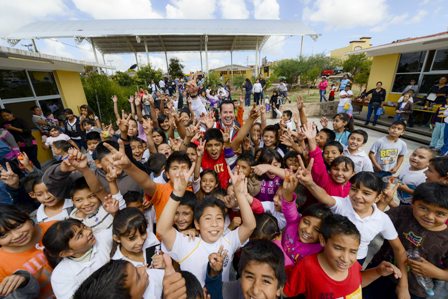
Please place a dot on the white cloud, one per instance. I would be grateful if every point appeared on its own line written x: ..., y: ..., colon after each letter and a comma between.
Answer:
x: 403, y: 19
x: 233, y: 9
x: 117, y: 9
x: 15, y: 14
x: 55, y: 47
x: 266, y: 9
x: 348, y: 13
x: 419, y: 16
x: 194, y: 9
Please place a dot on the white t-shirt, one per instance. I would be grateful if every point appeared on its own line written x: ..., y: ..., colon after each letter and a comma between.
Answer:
x: 411, y: 178
x: 360, y: 159
x: 64, y: 214
x: 377, y: 223
x: 198, y: 106
x: 192, y: 255
x: 50, y: 140
x: 387, y: 151
x: 69, y: 274
x: 269, y: 206
x: 343, y: 101
x: 257, y: 88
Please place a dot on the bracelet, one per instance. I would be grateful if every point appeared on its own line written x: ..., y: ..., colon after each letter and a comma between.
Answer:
x: 175, y: 197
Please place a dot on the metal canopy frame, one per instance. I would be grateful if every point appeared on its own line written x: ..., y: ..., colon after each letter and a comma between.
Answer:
x: 166, y: 35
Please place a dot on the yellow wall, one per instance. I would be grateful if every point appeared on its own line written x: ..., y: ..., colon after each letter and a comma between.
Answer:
x: 43, y: 155
x: 342, y: 52
x: 226, y: 75
x: 71, y: 89
x: 383, y: 69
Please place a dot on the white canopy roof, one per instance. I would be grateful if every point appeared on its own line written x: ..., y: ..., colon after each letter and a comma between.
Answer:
x: 159, y: 35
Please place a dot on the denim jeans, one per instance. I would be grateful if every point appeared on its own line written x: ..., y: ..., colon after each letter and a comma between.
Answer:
x: 437, y: 138
x: 257, y: 97
x: 373, y: 107
x: 247, y: 99
x: 444, y: 148
x: 322, y: 95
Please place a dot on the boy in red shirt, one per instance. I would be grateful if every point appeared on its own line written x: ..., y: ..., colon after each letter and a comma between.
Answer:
x: 336, y: 272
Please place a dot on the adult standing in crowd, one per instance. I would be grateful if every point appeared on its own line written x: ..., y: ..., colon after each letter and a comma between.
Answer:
x: 440, y: 90
x: 323, y: 84
x: 248, y: 89
x: 40, y: 121
x: 283, y: 90
x: 345, y: 100
x: 344, y: 81
x: 258, y: 89
x: 22, y: 134
x: 87, y: 113
x: 377, y: 100
x: 72, y: 126
x: 412, y: 86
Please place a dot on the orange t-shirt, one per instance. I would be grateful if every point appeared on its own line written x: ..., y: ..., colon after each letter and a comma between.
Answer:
x: 161, y: 196
x: 33, y: 260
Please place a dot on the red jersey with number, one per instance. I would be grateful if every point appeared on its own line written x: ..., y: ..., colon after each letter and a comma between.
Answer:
x: 320, y: 285
x: 219, y: 166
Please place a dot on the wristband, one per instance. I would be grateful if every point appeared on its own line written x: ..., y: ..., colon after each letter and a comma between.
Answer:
x: 175, y: 197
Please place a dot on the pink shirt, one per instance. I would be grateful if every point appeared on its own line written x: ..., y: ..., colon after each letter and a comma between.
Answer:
x: 323, y: 85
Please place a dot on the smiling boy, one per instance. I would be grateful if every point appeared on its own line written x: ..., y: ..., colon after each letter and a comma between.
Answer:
x: 356, y: 140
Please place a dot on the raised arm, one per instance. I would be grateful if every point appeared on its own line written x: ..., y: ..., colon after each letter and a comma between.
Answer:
x: 138, y: 107
x: 236, y: 142
x: 302, y: 112
x: 115, y: 101
x: 147, y: 128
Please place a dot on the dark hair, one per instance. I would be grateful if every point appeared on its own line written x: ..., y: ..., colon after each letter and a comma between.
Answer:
x: 30, y: 181
x: 108, y: 282
x: 88, y: 108
x: 379, y: 82
x: 317, y: 210
x: 179, y: 157
x: 34, y: 107
x: 440, y: 165
x: 273, y: 129
x: 336, y: 144
x: 288, y: 113
x: 213, y: 134
x: 192, y: 145
x: 343, y: 159
x: 266, y: 252
x: 189, y: 199
x: 54, y: 128
x: 88, y: 121
x: 56, y: 239
x: 290, y: 154
x: 331, y: 135
x: 161, y: 118
x: 63, y: 145
x: 68, y: 111
x: 186, y: 110
x: 132, y: 196
x: 432, y: 193
x: 266, y: 228
x: 225, y: 102
x: 126, y: 223
x: 10, y: 218
x: 193, y: 286
x: 101, y: 151
x: 93, y: 136
x: 369, y: 180
x: 399, y: 123
x: 161, y: 133
x: 336, y: 224
x: 210, y: 171
x: 79, y: 184
x: 362, y: 133
x: 156, y: 162
x: 268, y: 155
x: 136, y: 139
x: 6, y: 111
x: 348, y: 119
x: 246, y: 157
x: 208, y: 202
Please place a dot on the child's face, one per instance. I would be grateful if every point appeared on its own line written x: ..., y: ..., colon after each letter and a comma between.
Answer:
x: 338, y: 123
x: 214, y: 148
x: 255, y: 133
x: 86, y: 201
x: 269, y: 139
x: 396, y: 131
x: 277, y: 200
x: 341, y: 173
x: 177, y: 168
x: 321, y: 139
x: 138, y: 149
x: 106, y: 162
x: 309, y: 229
x: 92, y: 144
x: 433, y: 176
x: 164, y: 149
x: 87, y: 126
x: 132, y: 242
x: 165, y: 125
x: 274, y: 163
x: 340, y: 251
x: 82, y: 240
x: 355, y: 141
x: 137, y: 280
x: 211, y: 224
x: 54, y: 132
x: 285, y: 117
x: 362, y: 198
x: 132, y: 129
x: 183, y: 217
x: 292, y: 163
x: 258, y: 280
x: 20, y: 236
x: 330, y: 153
x: 244, y: 167
x: 430, y: 216
x: 157, y: 138
x: 208, y: 183
x: 43, y: 196
x: 186, y: 118
x: 419, y: 158
x: 192, y: 154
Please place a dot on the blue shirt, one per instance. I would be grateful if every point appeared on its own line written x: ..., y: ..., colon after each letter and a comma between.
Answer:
x: 343, y: 83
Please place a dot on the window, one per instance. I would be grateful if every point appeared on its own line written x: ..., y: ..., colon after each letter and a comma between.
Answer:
x: 428, y: 81
x: 411, y: 62
x: 403, y: 80
x: 44, y: 83
x: 14, y: 84
x: 440, y: 60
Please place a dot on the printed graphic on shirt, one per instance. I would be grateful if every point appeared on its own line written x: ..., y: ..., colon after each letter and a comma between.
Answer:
x: 355, y: 295
x: 219, y: 167
x: 413, y: 238
x: 388, y: 156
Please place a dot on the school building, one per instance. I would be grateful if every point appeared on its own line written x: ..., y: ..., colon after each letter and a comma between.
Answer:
x: 354, y: 45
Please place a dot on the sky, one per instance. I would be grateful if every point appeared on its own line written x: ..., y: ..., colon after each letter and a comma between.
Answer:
x: 338, y: 22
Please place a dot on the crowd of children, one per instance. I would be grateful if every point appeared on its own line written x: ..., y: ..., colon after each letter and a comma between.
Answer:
x: 198, y: 203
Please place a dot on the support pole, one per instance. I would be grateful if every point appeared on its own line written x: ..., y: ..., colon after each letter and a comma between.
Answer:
x: 104, y: 62
x: 166, y: 61
x: 34, y: 45
x: 256, y: 61
x: 94, y: 51
x: 200, y: 55
x: 301, y: 47
x: 206, y: 54
x: 146, y: 50
x: 136, y: 58
x: 231, y: 65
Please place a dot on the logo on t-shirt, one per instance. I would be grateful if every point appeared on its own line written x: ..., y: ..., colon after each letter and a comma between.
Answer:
x: 413, y: 238
x: 388, y: 156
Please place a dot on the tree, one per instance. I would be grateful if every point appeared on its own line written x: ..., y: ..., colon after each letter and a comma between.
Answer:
x: 147, y: 73
x: 213, y: 80
x: 175, y: 68
x: 288, y: 68
x: 123, y: 79
x: 238, y: 81
x: 359, y: 66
